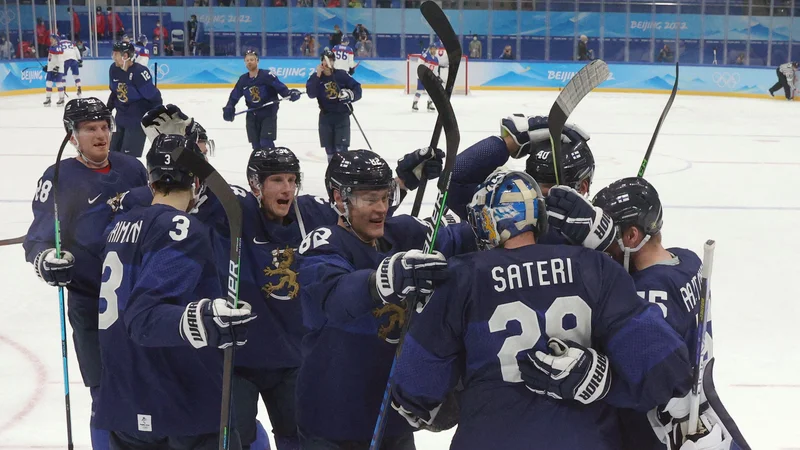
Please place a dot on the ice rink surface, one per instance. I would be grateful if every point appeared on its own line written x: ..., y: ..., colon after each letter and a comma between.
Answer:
x: 725, y: 169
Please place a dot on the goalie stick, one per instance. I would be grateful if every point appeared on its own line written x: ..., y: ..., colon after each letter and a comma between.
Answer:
x: 739, y: 443
x: 453, y: 138
x: 203, y: 170
x: 702, y: 326
x: 437, y: 19
x: 581, y: 84
x: 658, y: 125
x: 57, y: 221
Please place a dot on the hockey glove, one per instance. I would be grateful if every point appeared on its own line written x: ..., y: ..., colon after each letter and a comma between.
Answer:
x: 412, y: 167
x: 215, y: 323
x: 56, y: 70
x: 346, y: 96
x: 294, y: 95
x: 671, y: 424
x: 80, y: 63
x: 571, y: 371
x: 166, y: 119
x: 227, y: 113
x: 534, y: 130
x: 581, y: 223
x: 53, y: 270
x: 411, y: 272
x: 44, y: 69
x: 441, y: 418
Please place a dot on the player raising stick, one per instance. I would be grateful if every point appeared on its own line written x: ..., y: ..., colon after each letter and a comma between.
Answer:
x: 334, y: 90
x: 164, y: 318
x: 260, y: 89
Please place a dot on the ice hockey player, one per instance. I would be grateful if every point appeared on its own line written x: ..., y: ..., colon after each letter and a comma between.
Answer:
x: 132, y: 94
x: 345, y: 59
x: 86, y: 182
x: 429, y: 59
x: 142, y: 53
x: 260, y: 89
x: 55, y: 74
x: 334, y: 90
x: 355, y: 277
x: 786, y: 75
x: 163, y: 318
x: 518, y: 296
x: 529, y: 136
x: 72, y: 60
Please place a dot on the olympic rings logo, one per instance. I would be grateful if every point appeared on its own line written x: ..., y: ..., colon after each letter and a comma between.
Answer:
x: 163, y: 70
x: 725, y: 79
x: 7, y: 18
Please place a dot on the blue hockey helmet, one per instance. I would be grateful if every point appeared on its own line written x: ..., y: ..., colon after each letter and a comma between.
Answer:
x: 507, y: 204
x: 142, y: 40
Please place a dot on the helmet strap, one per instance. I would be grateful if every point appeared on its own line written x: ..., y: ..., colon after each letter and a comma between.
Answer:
x: 628, y: 250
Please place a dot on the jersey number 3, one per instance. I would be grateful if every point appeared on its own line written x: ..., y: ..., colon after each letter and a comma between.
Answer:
x: 568, y: 318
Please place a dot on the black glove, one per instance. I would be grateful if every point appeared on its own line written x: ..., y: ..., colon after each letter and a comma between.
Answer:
x: 54, y: 270
x: 580, y: 222
x: 111, y: 101
x: 80, y: 63
x: 571, y: 372
x: 44, y: 69
x: 211, y: 323
x: 227, y: 113
x: 55, y: 70
x: 294, y: 95
x: 419, y: 164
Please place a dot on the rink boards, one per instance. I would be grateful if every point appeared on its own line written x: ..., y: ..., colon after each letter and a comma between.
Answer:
x: 26, y: 76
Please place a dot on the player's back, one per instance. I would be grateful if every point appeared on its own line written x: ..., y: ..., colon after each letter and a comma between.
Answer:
x: 344, y: 57
x: 157, y: 260
x: 515, y: 300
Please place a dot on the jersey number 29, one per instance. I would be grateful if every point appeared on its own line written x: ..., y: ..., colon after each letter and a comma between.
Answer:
x: 556, y: 324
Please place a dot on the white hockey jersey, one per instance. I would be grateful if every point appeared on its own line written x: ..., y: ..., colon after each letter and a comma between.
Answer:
x: 788, y: 70
x: 142, y: 55
x: 345, y: 58
x: 430, y: 59
x: 55, y: 58
x: 70, y: 52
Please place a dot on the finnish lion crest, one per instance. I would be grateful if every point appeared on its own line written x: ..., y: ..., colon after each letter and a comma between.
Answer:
x: 331, y: 90
x: 396, y: 319
x: 282, y: 259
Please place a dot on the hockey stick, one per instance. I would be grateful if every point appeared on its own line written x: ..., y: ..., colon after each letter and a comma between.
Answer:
x: 437, y: 19
x: 264, y: 105
x: 702, y: 326
x: 12, y: 241
x: 57, y: 222
x: 155, y: 77
x: 453, y: 138
x: 658, y: 125
x: 581, y: 84
x: 353, y: 113
x: 203, y: 170
x: 739, y: 443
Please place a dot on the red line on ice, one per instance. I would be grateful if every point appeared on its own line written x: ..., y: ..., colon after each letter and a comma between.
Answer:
x: 41, y: 379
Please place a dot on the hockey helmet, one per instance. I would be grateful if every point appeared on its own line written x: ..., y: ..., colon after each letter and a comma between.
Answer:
x: 507, y: 204
x: 88, y: 109
x: 164, y: 169
x: 270, y: 161
x: 126, y: 48
x: 632, y: 201
x: 359, y: 170
x: 577, y: 163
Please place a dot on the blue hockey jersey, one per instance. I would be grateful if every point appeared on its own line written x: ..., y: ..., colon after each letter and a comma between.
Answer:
x: 499, y: 304
x: 132, y: 93
x: 84, y: 215
x: 349, y: 349
x: 157, y: 261
x: 258, y: 90
x: 325, y: 89
x: 673, y: 285
x: 269, y: 273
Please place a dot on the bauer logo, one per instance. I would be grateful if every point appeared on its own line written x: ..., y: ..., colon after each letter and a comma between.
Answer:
x: 31, y: 75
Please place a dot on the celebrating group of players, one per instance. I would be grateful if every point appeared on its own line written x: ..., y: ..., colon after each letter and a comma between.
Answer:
x: 542, y: 320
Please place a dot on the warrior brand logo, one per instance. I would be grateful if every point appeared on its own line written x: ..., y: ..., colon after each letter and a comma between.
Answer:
x: 597, y: 378
x: 191, y: 319
x: 386, y: 283
x: 233, y: 279
x: 602, y: 227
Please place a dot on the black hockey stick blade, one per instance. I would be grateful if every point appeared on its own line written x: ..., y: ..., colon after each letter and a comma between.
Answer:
x: 739, y: 443
x: 658, y: 125
x: 12, y: 241
x: 438, y: 21
x: 203, y: 170
x: 448, y: 118
x: 581, y: 84
x: 453, y: 137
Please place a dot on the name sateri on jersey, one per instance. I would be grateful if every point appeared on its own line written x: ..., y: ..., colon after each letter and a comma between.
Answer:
x: 516, y: 276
